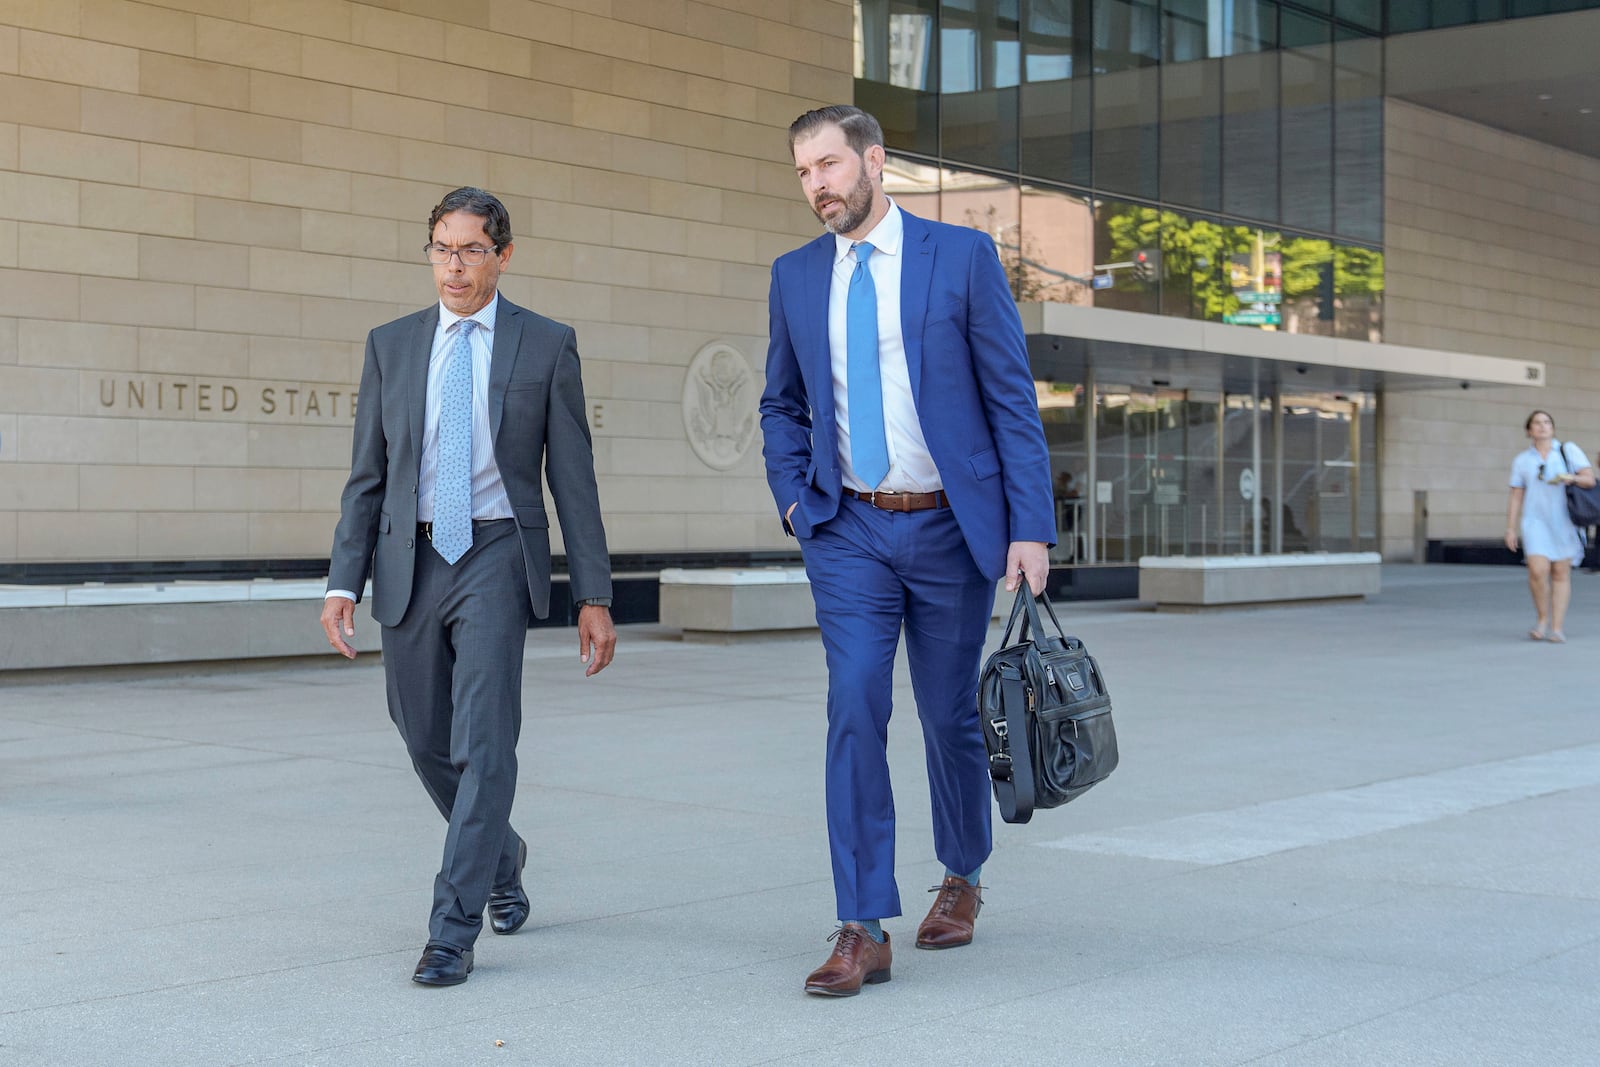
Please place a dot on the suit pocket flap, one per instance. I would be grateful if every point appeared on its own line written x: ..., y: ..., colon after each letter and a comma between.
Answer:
x: 534, y: 517
x: 985, y: 464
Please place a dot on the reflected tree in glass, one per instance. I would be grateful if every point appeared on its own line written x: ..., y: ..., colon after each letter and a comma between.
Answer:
x: 1195, y: 282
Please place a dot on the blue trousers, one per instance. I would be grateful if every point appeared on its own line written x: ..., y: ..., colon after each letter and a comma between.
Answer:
x: 872, y: 573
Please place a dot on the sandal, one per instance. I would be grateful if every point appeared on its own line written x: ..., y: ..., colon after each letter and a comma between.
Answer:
x: 1537, y: 633
x: 1557, y: 637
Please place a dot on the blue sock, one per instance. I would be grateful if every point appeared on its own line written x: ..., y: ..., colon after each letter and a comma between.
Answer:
x: 970, y: 879
x: 873, y: 927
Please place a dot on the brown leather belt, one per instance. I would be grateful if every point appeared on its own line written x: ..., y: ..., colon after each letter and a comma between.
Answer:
x: 902, y: 501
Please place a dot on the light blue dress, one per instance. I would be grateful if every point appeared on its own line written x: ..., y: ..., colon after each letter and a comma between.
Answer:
x: 1546, y: 531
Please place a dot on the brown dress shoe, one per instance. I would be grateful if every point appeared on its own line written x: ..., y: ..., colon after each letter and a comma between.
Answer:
x: 950, y: 920
x: 856, y: 958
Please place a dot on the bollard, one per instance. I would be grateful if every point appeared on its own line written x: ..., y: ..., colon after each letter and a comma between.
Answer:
x: 1419, y: 526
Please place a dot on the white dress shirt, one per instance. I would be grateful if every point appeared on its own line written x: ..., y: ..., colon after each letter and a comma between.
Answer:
x: 911, y: 468
x: 489, y: 500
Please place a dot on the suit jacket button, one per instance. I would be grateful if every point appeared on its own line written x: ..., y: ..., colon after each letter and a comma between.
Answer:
x: 409, y: 543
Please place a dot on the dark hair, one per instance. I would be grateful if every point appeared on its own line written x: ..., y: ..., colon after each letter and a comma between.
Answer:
x: 497, y: 221
x: 1536, y: 411
x: 861, y: 130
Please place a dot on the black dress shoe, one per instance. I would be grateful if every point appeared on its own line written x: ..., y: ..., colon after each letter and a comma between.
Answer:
x: 442, y: 965
x: 508, y: 906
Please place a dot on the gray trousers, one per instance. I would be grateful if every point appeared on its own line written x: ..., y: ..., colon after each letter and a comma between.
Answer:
x: 453, y: 668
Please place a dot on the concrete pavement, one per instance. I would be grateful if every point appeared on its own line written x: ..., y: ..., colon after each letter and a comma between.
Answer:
x: 1351, y: 834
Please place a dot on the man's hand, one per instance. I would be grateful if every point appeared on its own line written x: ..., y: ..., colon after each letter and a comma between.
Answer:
x: 1032, y: 560
x: 597, y: 638
x: 339, y: 622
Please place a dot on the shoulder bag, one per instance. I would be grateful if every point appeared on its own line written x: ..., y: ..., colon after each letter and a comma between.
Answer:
x: 1583, y: 505
x: 1046, y: 715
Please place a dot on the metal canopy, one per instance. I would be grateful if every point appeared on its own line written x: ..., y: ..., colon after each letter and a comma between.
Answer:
x: 1064, y: 340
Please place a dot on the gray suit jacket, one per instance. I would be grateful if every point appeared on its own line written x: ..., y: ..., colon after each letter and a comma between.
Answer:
x: 537, y: 419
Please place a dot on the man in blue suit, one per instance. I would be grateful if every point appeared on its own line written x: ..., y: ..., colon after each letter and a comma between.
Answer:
x: 904, y: 451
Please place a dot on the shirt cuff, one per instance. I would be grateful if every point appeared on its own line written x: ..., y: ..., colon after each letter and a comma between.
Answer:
x: 347, y: 594
x: 596, y: 601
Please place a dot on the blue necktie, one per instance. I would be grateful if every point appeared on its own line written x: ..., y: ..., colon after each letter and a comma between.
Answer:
x: 869, y: 448
x: 452, y: 476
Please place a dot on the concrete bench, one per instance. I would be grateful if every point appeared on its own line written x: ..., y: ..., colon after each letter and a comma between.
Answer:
x: 1196, y: 583
x: 49, y: 627
x: 720, y: 603
x: 724, y: 603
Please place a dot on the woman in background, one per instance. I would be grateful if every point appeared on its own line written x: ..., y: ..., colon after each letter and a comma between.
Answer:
x: 1537, y: 518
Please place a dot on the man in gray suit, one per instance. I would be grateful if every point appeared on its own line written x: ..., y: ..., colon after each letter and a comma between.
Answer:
x: 460, y: 406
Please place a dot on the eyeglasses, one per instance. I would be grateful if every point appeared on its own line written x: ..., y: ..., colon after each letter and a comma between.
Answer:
x: 472, y: 256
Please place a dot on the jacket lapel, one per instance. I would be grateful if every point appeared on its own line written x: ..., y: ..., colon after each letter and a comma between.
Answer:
x: 419, y: 348
x: 916, y: 276
x: 818, y: 277
x: 507, y: 343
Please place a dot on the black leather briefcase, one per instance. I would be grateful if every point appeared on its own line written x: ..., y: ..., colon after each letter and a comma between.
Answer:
x: 1046, y: 715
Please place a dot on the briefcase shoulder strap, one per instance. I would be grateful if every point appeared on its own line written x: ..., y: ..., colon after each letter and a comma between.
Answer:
x: 1016, y: 794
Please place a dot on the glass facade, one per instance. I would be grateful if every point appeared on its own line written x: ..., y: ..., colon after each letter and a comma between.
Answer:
x: 1192, y: 136
x: 1206, y: 159
x: 1407, y: 15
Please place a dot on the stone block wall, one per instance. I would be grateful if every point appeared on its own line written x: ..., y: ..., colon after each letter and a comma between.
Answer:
x: 1492, y: 246
x: 206, y: 204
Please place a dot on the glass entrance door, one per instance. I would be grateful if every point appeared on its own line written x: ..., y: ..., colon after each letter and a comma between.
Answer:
x: 1329, y: 505
x: 1246, y: 467
x: 1065, y: 413
x: 1155, y: 467
x: 1157, y: 471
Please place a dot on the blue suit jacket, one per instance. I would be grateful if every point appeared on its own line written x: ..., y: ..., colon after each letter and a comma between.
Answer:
x: 969, y: 378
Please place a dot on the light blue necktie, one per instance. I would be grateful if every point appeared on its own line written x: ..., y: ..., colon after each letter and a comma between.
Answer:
x: 869, y: 448
x: 452, y: 475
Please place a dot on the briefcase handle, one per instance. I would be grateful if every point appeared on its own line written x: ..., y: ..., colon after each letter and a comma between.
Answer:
x: 1026, y: 609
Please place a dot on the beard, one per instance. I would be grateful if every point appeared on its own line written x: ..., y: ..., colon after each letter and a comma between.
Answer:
x: 857, y: 206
